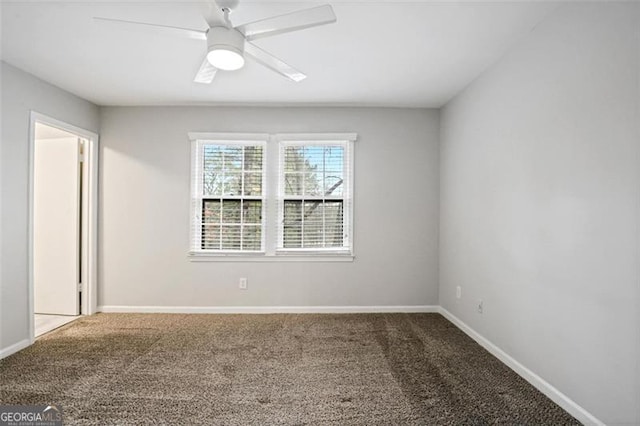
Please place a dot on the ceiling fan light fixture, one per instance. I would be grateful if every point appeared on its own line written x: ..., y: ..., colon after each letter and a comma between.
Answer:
x: 225, y: 48
x: 225, y: 58
x: 227, y: 45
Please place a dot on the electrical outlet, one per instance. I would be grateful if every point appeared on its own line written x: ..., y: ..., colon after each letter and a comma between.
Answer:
x: 480, y: 306
x: 458, y: 292
x: 242, y: 284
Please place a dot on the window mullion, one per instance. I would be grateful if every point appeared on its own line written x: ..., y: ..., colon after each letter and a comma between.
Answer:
x: 271, y: 192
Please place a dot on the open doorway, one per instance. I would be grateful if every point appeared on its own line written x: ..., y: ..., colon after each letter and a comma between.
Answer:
x: 62, y: 223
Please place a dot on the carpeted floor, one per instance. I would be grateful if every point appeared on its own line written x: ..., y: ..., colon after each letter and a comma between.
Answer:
x: 373, y: 369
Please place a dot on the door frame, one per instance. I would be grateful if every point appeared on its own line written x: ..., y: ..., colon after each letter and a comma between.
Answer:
x: 89, y: 231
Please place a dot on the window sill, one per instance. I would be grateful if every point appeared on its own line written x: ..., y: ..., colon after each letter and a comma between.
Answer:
x: 261, y: 257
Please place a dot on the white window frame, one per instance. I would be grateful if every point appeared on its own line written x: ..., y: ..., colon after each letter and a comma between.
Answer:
x: 271, y: 197
x: 198, y: 142
x: 344, y: 141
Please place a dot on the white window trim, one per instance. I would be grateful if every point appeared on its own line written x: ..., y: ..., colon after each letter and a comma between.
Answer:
x: 311, y: 140
x: 270, y: 231
x: 320, y: 137
x: 232, y: 137
x: 198, y: 141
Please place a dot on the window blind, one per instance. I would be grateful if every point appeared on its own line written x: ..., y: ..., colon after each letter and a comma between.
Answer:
x: 315, y: 195
x: 227, y: 195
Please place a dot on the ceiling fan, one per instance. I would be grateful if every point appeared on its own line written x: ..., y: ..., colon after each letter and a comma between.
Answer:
x: 228, y: 45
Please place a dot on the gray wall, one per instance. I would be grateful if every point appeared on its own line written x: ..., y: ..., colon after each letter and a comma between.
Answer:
x: 145, y: 199
x: 22, y: 92
x: 540, y: 196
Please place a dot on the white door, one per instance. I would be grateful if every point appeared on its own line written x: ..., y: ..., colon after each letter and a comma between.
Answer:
x: 56, y: 230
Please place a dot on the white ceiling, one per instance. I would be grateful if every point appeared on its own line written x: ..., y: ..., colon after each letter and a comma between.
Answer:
x: 414, y: 54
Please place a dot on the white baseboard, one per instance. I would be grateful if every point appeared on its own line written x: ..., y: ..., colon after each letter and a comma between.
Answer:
x: 267, y: 309
x: 538, y: 382
x: 14, y: 348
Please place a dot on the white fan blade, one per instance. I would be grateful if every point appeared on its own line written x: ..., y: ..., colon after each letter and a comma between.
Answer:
x: 272, y: 62
x: 183, y: 32
x: 205, y: 73
x: 293, y: 21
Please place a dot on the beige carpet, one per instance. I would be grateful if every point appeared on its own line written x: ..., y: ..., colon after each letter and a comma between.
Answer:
x: 373, y: 369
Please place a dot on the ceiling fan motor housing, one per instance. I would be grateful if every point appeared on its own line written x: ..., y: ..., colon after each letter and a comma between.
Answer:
x: 223, y: 38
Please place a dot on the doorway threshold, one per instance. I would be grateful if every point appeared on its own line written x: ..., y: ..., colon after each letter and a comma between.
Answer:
x: 45, y: 323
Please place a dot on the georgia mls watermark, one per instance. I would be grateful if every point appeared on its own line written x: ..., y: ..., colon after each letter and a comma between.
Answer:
x: 30, y: 415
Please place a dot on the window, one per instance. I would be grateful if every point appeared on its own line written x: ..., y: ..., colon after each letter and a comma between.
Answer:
x: 228, y: 196
x: 267, y: 197
x: 314, y: 196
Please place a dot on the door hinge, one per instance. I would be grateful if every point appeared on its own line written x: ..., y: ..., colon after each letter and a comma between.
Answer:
x: 80, y: 287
